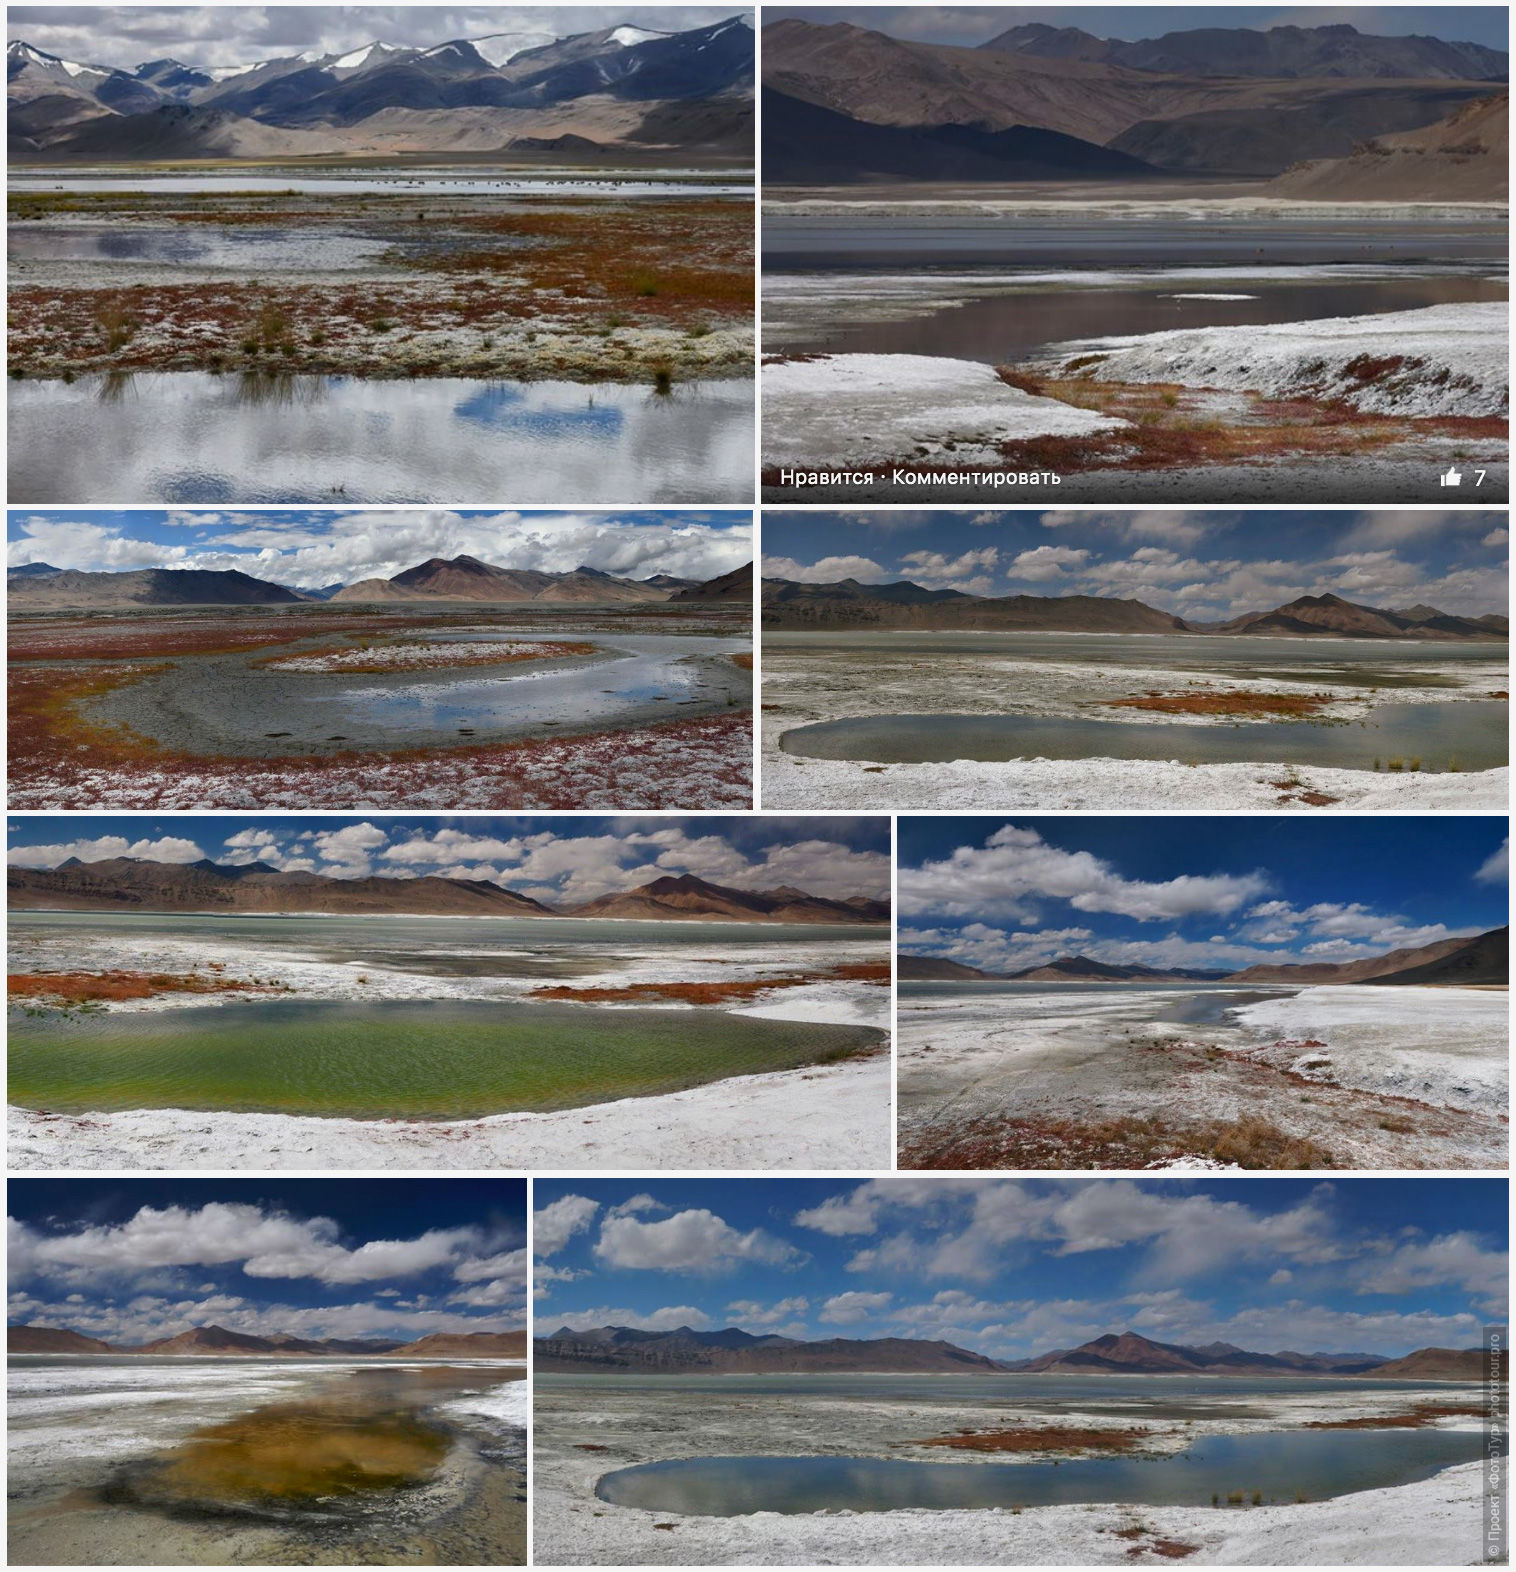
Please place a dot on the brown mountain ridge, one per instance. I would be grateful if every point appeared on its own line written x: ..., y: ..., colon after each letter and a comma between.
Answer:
x: 622, y: 1350
x: 135, y: 884
x: 789, y: 604
x: 214, y: 1341
x: 1480, y: 961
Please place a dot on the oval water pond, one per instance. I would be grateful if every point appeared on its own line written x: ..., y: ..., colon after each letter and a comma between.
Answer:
x: 1281, y: 1465
x: 187, y: 437
x: 1470, y: 734
x: 409, y: 1059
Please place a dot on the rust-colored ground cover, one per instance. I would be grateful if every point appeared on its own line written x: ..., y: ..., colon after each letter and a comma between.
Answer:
x: 117, y: 987
x: 1233, y: 702
x: 712, y: 992
x: 1422, y: 1415
x: 1126, y: 1142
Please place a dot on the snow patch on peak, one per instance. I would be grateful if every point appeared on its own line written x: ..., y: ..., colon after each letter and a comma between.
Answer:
x: 361, y: 56
x: 498, y: 48
x: 627, y: 36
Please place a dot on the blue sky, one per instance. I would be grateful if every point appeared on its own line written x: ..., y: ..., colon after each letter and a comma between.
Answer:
x: 555, y: 859
x: 130, y: 1260
x: 309, y: 548
x: 1012, y: 1267
x: 1208, y: 565
x: 971, y: 25
x: 1220, y: 893
x: 231, y: 35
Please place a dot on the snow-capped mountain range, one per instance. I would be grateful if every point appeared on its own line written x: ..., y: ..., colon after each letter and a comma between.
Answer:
x: 52, y: 99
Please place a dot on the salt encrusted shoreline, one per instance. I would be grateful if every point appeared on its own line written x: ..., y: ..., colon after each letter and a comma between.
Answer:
x: 824, y: 1117
x: 1113, y: 785
x: 1439, y: 360
x: 1436, y: 1521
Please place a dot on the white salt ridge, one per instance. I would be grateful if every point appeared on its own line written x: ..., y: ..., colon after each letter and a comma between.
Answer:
x: 1439, y: 360
x: 1441, y: 1045
x: 1114, y: 785
x: 851, y: 411
x: 508, y: 1404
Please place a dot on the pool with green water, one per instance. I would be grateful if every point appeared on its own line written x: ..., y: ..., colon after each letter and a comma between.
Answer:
x: 407, y: 1059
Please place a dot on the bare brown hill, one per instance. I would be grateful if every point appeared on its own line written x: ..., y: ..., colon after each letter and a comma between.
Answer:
x: 1332, y: 614
x: 145, y: 587
x: 466, y: 1345
x: 131, y: 883
x: 684, y: 895
x: 51, y: 1340
x: 936, y: 968
x: 465, y: 578
x: 1177, y: 120
x: 135, y: 884
x: 1129, y: 1353
x: 847, y: 603
x: 1482, y: 959
x: 1464, y: 157
x: 618, y: 1350
x: 788, y: 603
x: 736, y: 585
x: 1440, y: 1364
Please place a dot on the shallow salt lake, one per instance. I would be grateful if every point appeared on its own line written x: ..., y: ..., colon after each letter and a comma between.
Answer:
x: 427, y: 1059
x: 1469, y: 735
x: 1282, y: 1466
x: 195, y: 437
x: 486, y: 946
x: 247, y: 706
x: 1009, y: 322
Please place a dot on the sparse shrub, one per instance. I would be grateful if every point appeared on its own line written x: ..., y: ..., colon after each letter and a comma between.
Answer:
x: 117, y: 323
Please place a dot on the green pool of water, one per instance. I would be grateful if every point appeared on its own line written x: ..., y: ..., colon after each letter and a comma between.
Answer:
x: 418, y: 1060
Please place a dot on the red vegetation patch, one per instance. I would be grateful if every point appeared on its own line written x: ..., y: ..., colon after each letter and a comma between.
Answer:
x: 1233, y: 702
x: 1126, y: 1142
x: 55, y: 762
x: 1420, y: 1416
x: 712, y: 992
x: 116, y: 987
